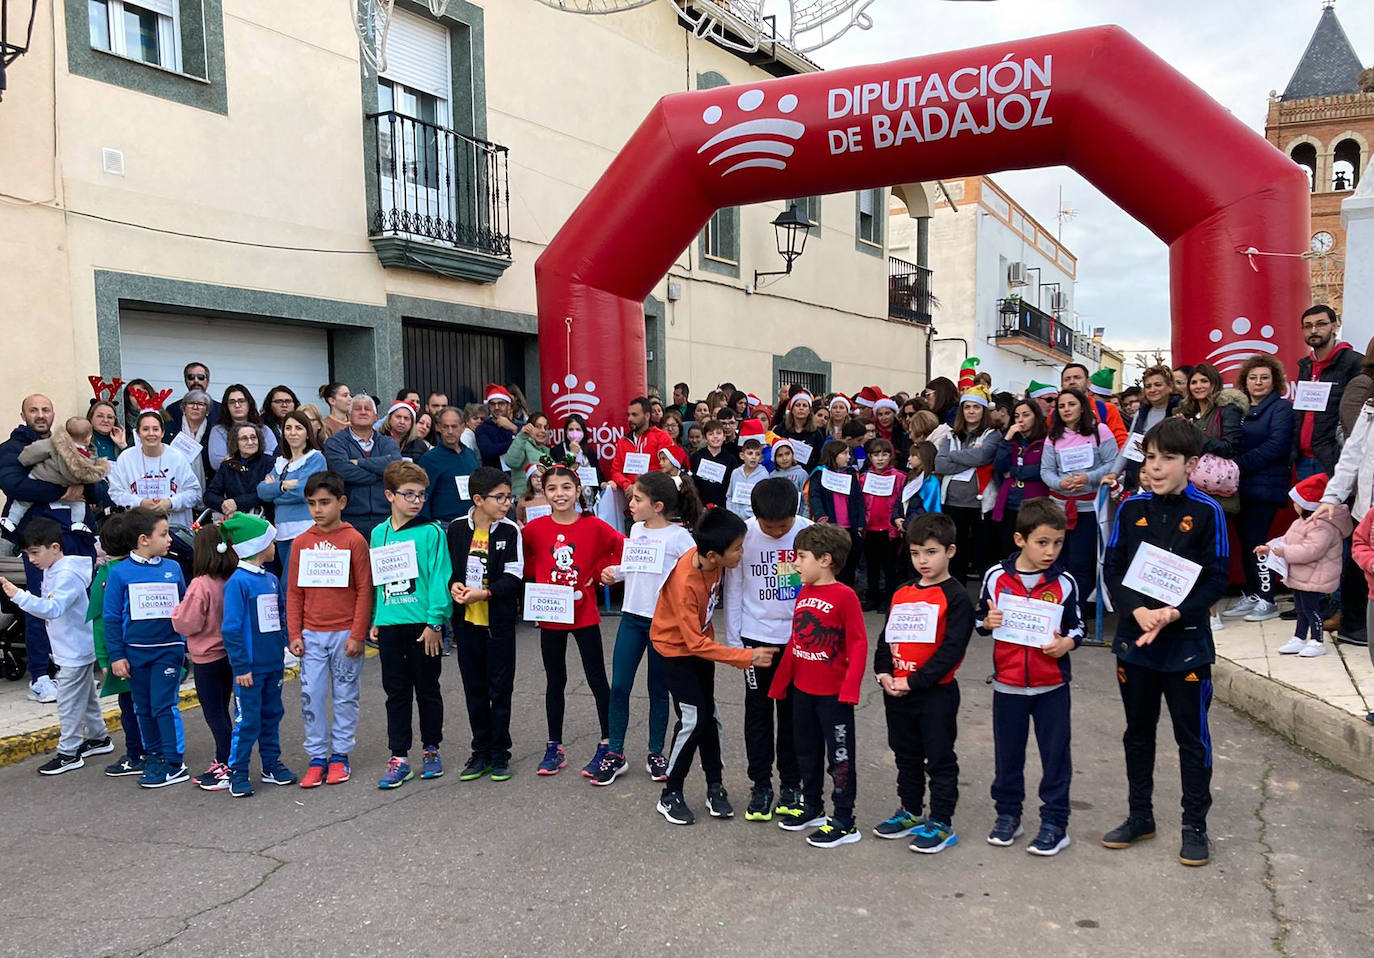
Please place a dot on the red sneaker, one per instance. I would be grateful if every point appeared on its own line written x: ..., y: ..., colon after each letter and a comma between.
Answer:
x: 338, y: 770
x: 314, y: 775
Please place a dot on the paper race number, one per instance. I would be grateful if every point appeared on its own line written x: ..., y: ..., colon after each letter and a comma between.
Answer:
x: 548, y: 603
x: 394, y: 563
x: 636, y: 463
x: 1161, y: 575
x: 152, y: 600
x: 913, y: 622
x: 711, y: 471
x: 324, y: 568
x: 643, y: 555
x: 1030, y: 622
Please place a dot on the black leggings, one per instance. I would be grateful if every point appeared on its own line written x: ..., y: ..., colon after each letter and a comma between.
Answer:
x: 215, y: 689
x: 553, y: 647
x: 975, y: 540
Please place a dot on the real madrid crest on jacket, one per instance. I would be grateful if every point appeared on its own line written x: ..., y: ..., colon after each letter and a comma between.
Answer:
x: 1019, y: 666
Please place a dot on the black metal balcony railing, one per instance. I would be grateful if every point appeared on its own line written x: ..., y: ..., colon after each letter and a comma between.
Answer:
x: 908, y: 291
x: 440, y: 186
x: 1018, y: 319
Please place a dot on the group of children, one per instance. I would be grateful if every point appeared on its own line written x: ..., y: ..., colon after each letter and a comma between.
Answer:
x: 793, y: 626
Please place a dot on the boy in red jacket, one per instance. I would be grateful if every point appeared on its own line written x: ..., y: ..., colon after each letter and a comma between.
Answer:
x: 824, y: 663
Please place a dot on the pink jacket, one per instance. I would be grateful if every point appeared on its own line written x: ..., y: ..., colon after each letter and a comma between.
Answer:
x: 199, y: 617
x: 1312, y: 549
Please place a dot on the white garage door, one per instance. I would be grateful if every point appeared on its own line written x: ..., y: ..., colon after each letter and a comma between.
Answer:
x: 157, y: 346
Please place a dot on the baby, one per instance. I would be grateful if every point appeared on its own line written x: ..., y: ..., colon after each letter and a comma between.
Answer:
x: 65, y: 459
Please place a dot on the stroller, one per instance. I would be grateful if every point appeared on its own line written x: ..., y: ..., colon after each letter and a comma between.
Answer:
x: 14, y: 657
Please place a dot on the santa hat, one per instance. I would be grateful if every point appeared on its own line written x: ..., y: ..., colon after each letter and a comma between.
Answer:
x: 248, y: 534
x: 1100, y: 382
x: 967, y: 372
x: 802, y: 396
x: 885, y: 403
x: 531, y: 470
x: 848, y: 406
x: 497, y: 393
x: 1308, y: 493
x: 751, y: 430
x: 867, y: 396
x: 978, y: 394
x: 1040, y: 390
x: 675, y: 455
x: 401, y: 404
x: 783, y: 441
x: 753, y: 401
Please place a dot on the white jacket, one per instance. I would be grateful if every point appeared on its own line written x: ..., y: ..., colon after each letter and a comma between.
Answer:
x: 63, y: 606
x: 1355, y: 469
x: 761, y: 592
x: 183, y: 487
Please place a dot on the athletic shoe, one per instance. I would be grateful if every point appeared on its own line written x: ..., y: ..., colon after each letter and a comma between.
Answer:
x: 1129, y: 832
x: 832, y: 834
x: 60, y: 763
x: 718, y: 802
x: 163, y: 774
x: 1005, y: 830
x: 1243, y: 606
x: 760, y: 808
x: 790, y: 802
x: 125, y: 766
x: 500, y: 771
x: 933, y: 837
x: 339, y: 772
x: 602, y: 750
x: 278, y: 774
x: 215, y: 778
x: 431, y: 766
x: 1217, y: 624
x: 397, y: 773
x: 1358, y: 637
x: 240, y: 785
x: 1312, y: 648
x: 96, y: 746
x: 612, y: 765
x: 672, y: 807
x: 554, y: 760
x: 901, y: 824
x: 1194, y: 851
x: 1263, y: 612
x: 1051, y: 840
x: 806, y: 817
x: 43, y: 689
x: 314, y: 773
x: 1292, y: 647
x: 657, y: 767
x: 476, y: 767
x: 1289, y: 614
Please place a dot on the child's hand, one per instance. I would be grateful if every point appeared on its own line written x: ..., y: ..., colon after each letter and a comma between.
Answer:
x: 433, y: 640
x: 353, y: 648
x: 289, y: 484
x: 120, y: 667
x: 456, y: 591
x: 608, y: 575
x: 245, y: 680
x: 297, y: 647
x: 374, y: 633
x: 1261, y: 551
x: 763, y: 655
x: 471, y: 596
x: 993, y: 620
x: 1162, y: 618
x: 1146, y: 618
x: 1059, y: 647
x: 10, y: 588
x: 901, y: 685
x: 1278, y: 550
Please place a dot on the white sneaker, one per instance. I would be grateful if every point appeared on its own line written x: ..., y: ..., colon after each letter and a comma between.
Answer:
x: 1217, y: 624
x: 1242, y: 606
x: 1292, y: 647
x: 43, y: 689
x: 1312, y: 649
x: 1263, y: 612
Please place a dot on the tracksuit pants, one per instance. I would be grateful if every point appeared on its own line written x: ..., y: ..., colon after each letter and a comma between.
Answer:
x: 921, y: 729
x: 1012, y: 715
x: 409, y: 674
x: 1252, y: 526
x: 692, y: 683
x: 631, y: 643
x: 155, y: 681
x: 329, y: 674
x: 487, y: 664
x: 215, y: 689
x: 258, y: 712
x: 759, y: 740
x: 1189, y: 696
x: 128, y: 721
x: 78, y: 708
x: 553, y: 649
x: 824, y: 730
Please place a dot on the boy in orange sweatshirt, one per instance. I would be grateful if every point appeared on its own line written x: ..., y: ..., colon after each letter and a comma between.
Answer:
x: 328, y: 613
x: 683, y: 634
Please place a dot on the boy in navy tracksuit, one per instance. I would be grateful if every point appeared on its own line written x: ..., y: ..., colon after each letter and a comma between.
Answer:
x: 255, y: 641
x: 1031, y: 683
x: 140, y: 594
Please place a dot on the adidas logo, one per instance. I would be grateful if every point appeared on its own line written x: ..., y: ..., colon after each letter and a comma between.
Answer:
x: 1229, y: 357
x: 765, y: 137
x: 572, y: 401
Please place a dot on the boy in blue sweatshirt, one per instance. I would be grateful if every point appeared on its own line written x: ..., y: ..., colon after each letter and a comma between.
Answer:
x: 140, y: 594
x: 255, y: 640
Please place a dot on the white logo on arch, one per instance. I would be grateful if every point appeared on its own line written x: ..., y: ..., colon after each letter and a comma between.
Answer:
x: 1229, y: 357
x: 765, y: 138
x: 570, y: 400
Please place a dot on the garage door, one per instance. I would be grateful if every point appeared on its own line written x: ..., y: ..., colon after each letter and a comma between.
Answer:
x: 156, y: 347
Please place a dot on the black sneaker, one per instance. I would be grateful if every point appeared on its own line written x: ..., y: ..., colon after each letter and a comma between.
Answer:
x: 812, y: 816
x: 1359, y: 636
x: 1194, y: 852
x: 60, y: 763
x: 477, y: 766
x: 1050, y: 841
x: 657, y: 766
x: 1129, y: 832
x: 95, y: 746
x: 125, y: 766
x: 1289, y: 615
x: 1005, y: 830
x: 833, y: 834
x: 672, y: 807
x: 760, y: 805
x: 718, y: 802
x: 790, y: 801
x: 611, y: 767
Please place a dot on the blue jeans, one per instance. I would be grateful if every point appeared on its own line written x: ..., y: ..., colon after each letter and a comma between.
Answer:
x: 631, y: 642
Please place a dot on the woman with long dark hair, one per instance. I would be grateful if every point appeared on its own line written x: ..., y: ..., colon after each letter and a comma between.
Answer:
x: 237, y: 408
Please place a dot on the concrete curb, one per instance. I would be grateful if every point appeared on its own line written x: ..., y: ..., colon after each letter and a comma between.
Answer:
x: 1343, y: 739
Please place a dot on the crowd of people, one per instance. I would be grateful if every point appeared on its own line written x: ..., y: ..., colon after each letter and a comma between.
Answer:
x: 210, y: 529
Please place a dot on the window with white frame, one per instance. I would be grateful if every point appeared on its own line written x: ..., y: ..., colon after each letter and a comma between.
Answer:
x: 870, y: 227
x: 145, y: 30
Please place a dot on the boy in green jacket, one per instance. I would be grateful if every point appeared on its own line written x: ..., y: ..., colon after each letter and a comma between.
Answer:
x: 410, y: 569
x: 117, y: 545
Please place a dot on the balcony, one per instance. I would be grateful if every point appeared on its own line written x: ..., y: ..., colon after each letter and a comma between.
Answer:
x: 1031, y: 332
x: 440, y: 201
x: 908, y: 292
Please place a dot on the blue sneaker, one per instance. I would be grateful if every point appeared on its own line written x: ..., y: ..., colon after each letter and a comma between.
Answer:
x: 240, y: 785
x: 554, y: 759
x: 901, y: 824
x: 1050, y: 841
x: 154, y: 771
x: 432, y: 767
x: 1005, y: 830
x: 590, y: 768
x: 397, y: 773
x: 278, y: 774
x: 933, y: 837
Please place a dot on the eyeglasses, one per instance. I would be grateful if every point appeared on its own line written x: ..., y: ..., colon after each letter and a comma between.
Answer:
x: 502, y: 497
x: 283, y: 401
x: 1321, y: 324
x: 197, y: 377
x: 238, y: 401
x: 413, y: 497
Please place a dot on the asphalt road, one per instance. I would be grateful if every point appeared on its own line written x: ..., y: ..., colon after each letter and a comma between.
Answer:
x: 553, y: 866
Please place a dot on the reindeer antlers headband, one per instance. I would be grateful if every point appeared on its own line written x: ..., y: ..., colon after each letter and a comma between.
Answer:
x: 148, y: 403
x: 105, y: 391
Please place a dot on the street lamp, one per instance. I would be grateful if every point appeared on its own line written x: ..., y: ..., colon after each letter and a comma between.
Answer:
x: 789, y: 225
x: 11, y: 51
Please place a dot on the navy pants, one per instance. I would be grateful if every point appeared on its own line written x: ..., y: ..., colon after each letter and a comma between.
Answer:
x: 1308, y: 605
x: 257, y: 720
x: 215, y: 689
x: 155, y: 681
x: 1189, y: 697
x: 1080, y: 546
x: 631, y: 643
x: 1012, y: 715
x: 128, y: 720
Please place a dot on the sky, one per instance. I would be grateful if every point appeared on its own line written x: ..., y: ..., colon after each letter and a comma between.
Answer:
x: 1236, y: 50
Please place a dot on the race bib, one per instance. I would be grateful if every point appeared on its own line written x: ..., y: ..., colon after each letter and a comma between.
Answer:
x: 587, y: 476
x: 1161, y: 575
x: 837, y: 482
x: 743, y: 494
x: 462, y: 483
x: 875, y: 485
x: 183, y: 443
x: 913, y: 622
x: 802, y: 450
x: 636, y: 463
x: 909, y: 490
x: 643, y: 555
x: 1274, y: 562
x: 1135, y: 447
x: 966, y: 476
x: 534, y: 512
x: 1076, y: 458
x: 269, y: 613
x: 152, y: 600
x: 324, y: 568
x: 711, y: 471
x: 1312, y: 396
x: 153, y: 487
x: 476, y: 573
x: 548, y: 603
x: 1029, y: 622
x: 394, y: 563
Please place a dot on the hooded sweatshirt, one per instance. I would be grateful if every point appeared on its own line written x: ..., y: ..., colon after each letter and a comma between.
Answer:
x: 761, y: 592
x: 421, y: 601
x: 330, y: 608
x: 1312, y: 549
x: 63, y: 606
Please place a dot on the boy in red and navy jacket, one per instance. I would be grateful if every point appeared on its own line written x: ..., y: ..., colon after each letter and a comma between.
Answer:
x: 922, y: 646
x: 824, y: 664
x: 1031, y: 683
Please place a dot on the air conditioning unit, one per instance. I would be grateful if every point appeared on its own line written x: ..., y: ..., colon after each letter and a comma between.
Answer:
x: 1058, y: 302
x: 1016, y: 275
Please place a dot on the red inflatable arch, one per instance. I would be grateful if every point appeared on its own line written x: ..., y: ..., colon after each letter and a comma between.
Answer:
x: 1096, y: 100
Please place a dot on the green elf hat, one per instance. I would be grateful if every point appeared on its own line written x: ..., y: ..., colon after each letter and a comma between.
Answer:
x: 248, y: 534
x: 967, y: 371
x: 1040, y: 390
x: 1102, y: 382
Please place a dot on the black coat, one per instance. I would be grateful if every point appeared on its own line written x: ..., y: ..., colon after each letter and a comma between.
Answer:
x: 239, y: 481
x: 1345, y: 365
x: 1266, y: 458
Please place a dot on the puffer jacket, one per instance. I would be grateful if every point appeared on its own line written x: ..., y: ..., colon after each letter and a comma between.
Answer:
x: 1354, y: 471
x: 1266, y: 458
x: 1312, y: 549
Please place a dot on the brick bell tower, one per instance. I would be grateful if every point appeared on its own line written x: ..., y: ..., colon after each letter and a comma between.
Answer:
x: 1324, y: 120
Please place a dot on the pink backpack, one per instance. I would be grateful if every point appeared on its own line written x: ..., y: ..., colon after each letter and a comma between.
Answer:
x: 1217, y: 476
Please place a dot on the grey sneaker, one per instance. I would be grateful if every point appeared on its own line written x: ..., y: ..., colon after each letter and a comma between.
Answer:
x: 1243, y: 606
x: 1262, y: 612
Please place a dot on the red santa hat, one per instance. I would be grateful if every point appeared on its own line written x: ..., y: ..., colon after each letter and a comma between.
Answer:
x: 867, y: 396
x: 401, y: 404
x: 1308, y: 493
x: 675, y: 455
x: 531, y: 470
x: 496, y: 393
x: 751, y: 429
x: 885, y: 403
x: 754, y: 401
x: 802, y: 396
x: 848, y: 406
